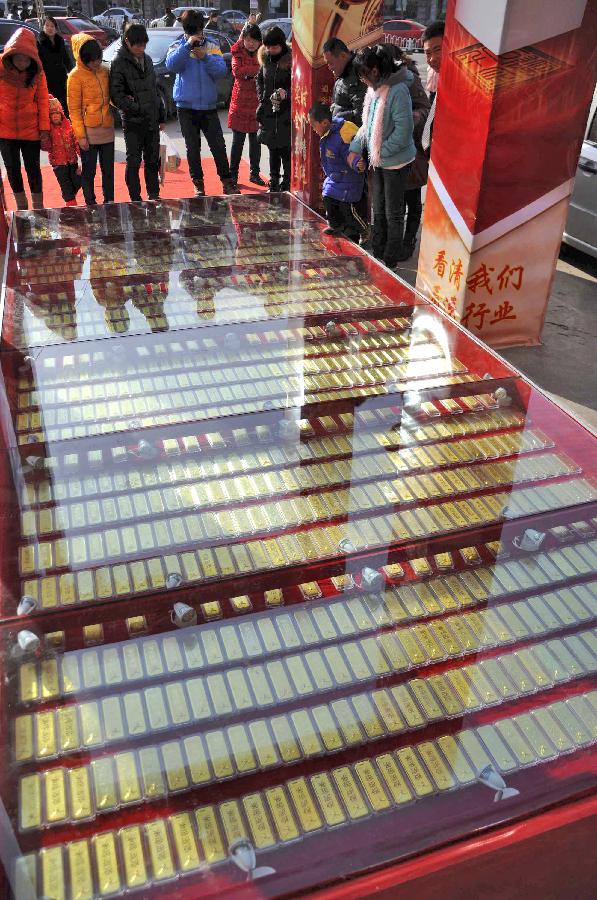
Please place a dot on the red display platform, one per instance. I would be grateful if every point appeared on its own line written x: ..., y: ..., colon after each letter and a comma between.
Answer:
x: 298, y: 578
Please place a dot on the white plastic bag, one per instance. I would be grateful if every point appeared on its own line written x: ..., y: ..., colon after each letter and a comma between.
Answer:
x: 169, y: 156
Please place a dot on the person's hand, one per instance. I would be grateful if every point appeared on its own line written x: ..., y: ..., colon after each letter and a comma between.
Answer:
x: 44, y: 135
x: 361, y: 165
x: 282, y: 94
x: 84, y: 144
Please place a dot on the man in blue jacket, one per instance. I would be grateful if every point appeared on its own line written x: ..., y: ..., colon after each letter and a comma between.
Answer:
x: 198, y: 65
x: 343, y: 183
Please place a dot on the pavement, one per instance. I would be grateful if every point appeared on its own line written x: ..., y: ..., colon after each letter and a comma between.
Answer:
x: 564, y: 364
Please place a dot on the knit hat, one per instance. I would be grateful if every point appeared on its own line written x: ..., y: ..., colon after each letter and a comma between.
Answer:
x: 55, y: 106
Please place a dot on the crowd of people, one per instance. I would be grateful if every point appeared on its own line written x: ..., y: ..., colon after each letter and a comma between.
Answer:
x: 374, y: 136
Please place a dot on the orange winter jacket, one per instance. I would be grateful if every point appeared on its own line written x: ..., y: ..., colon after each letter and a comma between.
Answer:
x: 88, y: 93
x: 24, y: 110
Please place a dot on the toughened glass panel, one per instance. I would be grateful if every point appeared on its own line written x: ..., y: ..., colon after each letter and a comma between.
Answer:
x: 297, y: 578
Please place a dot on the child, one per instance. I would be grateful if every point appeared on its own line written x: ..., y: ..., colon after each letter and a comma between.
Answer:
x: 343, y: 184
x: 243, y: 103
x: 387, y: 133
x: 63, y: 152
x: 133, y: 90
x: 273, y: 112
x: 89, y: 106
x: 24, y: 118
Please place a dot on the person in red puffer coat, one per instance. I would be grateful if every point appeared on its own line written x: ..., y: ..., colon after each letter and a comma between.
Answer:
x: 243, y: 104
x: 24, y: 116
x: 63, y: 153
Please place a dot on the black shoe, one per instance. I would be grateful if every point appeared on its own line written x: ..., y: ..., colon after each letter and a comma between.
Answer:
x: 256, y: 178
x: 274, y: 185
x: 199, y: 188
x: 229, y: 186
x: 330, y: 230
x: 285, y: 185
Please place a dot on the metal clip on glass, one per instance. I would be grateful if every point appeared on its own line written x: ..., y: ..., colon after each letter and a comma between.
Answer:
x: 530, y: 540
x: 242, y: 853
x: 183, y: 615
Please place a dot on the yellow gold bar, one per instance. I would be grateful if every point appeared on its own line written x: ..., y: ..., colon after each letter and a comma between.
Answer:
x: 46, y: 734
x: 210, y: 839
x: 463, y: 689
x: 241, y: 749
x: 132, y: 661
x: 52, y: 873
x: 174, y: 766
x: 30, y: 802
x: 257, y: 818
x: 425, y: 699
x: 456, y: 759
x: 218, y: 754
x: 55, y: 794
x: 79, y: 867
x: 372, y: 785
x: 129, y: 788
x: 388, y: 712
x: 577, y: 730
x: 134, y: 713
x: 28, y: 682
x: 407, y: 706
x: 304, y: 804
x: 260, y: 686
x: 151, y: 773
x: 185, y: 842
x: 232, y: 821
x: 414, y: 771
x: 394, y: 779
x: 412, y: 648
x: 133, y: 856
x: 281, y: 813
x: 307, y: 735
x: 80, y: 793
x: 90, y: 668
x: 162, y: 864
x: 104, y: 783
x: 49, y: 679
x: 285, y: 740
x: 435, y: 764
x: 350, y: 793
x: 263, y: 744
x: 327, y: 798
x: 23, y: 738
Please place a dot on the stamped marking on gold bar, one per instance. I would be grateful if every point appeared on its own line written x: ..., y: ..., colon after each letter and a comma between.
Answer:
x: 162, y: 864
x: 107, y: 863
x: 133, y: 856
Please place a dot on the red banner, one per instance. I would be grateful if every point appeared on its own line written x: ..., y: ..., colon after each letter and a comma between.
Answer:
x: 512, y: 105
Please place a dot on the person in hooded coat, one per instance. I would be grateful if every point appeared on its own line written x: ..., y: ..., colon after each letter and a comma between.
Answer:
x: 88, y: 96
x: 25, y: 114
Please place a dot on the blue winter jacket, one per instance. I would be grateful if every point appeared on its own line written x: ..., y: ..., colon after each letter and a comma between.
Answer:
x: 341, y: 181
x: 195, y: 83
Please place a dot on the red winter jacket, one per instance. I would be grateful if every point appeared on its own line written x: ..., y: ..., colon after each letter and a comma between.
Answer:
x: 23, y: 95
x: 243, y: 105
x: 62, y: 144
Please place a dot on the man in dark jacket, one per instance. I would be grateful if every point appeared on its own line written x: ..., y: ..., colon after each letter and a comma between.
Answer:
x: 133, y: 91
x: 349, y: 91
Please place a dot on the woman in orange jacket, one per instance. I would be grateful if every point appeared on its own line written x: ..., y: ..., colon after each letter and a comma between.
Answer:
x: 88, y: 96
x: 24, y: 114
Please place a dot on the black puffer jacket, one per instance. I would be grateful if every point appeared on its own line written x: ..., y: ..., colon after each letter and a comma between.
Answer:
x: 348, y: 95
x: 57, y: 64
x: 275, y: 72
x: 133, y: 90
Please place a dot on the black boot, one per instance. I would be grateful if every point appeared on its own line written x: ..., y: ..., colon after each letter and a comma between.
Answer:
x: 408, y: 248
x: 274, y: 185
x: 256, y: 178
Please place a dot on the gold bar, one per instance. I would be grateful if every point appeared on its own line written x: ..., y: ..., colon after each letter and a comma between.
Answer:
x: 327, y: 729
x: 456, y: 759
x: 388, y: 712
x: 129, y: 789
x: 304, y: 804
x: 436, y: 766
x: 496, y: 746
x: 372, y: 785
x: 46, y: 734
x: 80, y: 793
x: 425, y: 699
x: 23, y: 738
x: 328, y: 800
x: 28, y: 682
x: 366, y: 716
x: 79, y: 867
x: 281, y: 814
x: 30, y: 802
x: 133, y: 856
x: 469, y: 741
x: 241, y: 749
x: 52, y: 873
x: 577, y: 730
x: 394, y: 779
x: 414, y: 771
x: 285, y: 740
x: 218, y: 754
x: 134, y: 713
x: 210, y: 839
x: 160, y: 855
x: 184, y: 842
x: 257, y: 818
x: 104, y: 783
x: 174, y: 766
x: 55, y: 794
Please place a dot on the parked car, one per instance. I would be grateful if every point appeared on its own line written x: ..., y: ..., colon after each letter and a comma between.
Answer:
x: 70, y: 26
x: 284, y: 24
x: 581, y: 226
x: 119, y: 14
x: 9, y: 26
x: 63, y: 13
x: 160, y: 41
x: 232, y: 21
x: 396, y: 30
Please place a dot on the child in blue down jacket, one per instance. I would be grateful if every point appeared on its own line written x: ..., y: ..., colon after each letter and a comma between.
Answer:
x: 343, y: 184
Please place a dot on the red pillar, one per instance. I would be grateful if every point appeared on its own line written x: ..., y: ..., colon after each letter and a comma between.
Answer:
x: 358, y: 24
x: 516, y: 82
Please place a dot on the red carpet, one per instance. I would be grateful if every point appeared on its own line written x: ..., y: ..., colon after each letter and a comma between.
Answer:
x: 176, y: 184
